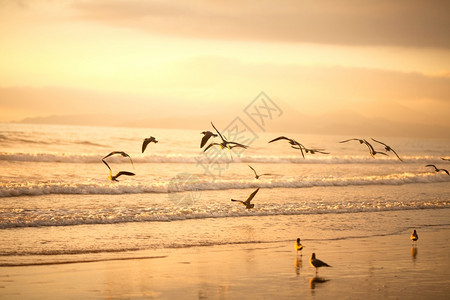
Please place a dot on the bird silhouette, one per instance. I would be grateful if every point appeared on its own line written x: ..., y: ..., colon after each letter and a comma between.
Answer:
x: 294, y: 143
x: 247, y: 203
x: 387, y: 148
x: 256, y: 175
x: 118, y: 153
x: 438, y: 170
x: 317, y: 263
x: 114, y: 177
x: 225, y: 143
x: 414, y: 236
x: 298, y: 245
x: 147, y: 141
x: 206, y: 136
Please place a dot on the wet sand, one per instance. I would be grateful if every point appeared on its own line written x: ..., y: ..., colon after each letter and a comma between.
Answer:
x: 372, y: 267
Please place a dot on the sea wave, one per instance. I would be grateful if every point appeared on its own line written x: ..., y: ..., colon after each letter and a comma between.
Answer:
x: 201, y: 157
x: 178, y: 212
x: 195, y: 183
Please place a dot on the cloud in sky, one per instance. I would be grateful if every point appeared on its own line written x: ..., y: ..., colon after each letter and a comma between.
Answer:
x: 405, y: 23
x: 205, y: 57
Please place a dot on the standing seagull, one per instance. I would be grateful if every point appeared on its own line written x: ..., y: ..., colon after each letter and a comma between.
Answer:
x: 114, y: 177
x: 294, y: 143
x: 246, y: 203
x: 120, y: 153
x: 414, y: 237
x: 317, y: 263
x: 256, y: 175
x: 206, y: 137
x: 298, y: 245
x: 438, y: 170
x: 387, y: 148
x: 147, y: 141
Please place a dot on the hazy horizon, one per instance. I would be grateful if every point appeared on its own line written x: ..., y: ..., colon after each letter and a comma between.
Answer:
x: 378, y: 67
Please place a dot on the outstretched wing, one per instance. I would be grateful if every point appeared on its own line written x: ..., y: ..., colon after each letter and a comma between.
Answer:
x: 242, y: 202
x: 106, y: 165
x: 445, y: 171
x: 125, y: 173
x: 280, y: 138
x: 224, y: 140
x: 396, y: 154
x: 144, y: 144
x: 210, y: 145
x: 205, y: 139
x: 252, y: 195
x: 350, y: 140
x: 379, y: 142
x: 253, y: 170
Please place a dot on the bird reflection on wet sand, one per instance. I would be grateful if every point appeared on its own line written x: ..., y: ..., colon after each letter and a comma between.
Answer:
x: 298, y: 265
x: 414, y: 252
x: 316, y: 280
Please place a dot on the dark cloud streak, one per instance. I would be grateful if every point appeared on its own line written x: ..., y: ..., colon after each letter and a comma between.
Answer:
x: 406, y: 23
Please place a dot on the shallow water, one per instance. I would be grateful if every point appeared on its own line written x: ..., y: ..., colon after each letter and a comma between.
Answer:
x: 57, y: 204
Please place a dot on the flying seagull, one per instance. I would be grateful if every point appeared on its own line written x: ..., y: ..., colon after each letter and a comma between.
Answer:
x: 225, y: 143
x: 438, y: 170
x: 387, y: 148
x: 206, y: 136
x: 372, y: 150
x: 120, y: 153
x: 363, y: 141
x: 256, y: 175
x: 298, y: 245
x: 114, y: 177
x: 247, y: 203
x: 317, y: 263
x: 147, y: 141
x: 359, y: 140
x: 294, y: 143
x: 414, y: 237
x: 443, y: 158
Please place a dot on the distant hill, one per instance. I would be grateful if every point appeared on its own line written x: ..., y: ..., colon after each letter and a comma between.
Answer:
x: 339, y: 123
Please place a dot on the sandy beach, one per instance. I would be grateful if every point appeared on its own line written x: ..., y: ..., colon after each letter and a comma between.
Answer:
x: 373, y: 267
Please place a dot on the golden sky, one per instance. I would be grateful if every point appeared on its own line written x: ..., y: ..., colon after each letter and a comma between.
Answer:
x: 194, y: 56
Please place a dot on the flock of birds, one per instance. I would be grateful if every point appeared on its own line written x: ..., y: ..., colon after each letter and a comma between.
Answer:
x: 226, y: 144
x: 317, y: 263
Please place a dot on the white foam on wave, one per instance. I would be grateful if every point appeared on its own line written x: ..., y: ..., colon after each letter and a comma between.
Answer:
x: 106, y: 188
x: 202, y: 158
x: 169, y: 213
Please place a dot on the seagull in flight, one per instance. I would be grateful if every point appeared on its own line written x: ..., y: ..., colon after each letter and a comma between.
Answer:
x: 256, y: 175
x: 114, y: 177
x: 247, y: 203
x: 317, y: 263
x: 206, y: 136
x: 438, y: 170
x: 359, y: 140
x: 147, y: 141
x: 120, y: 153
x: 294, y: 143
x: 387, y: 148
x: 225, y: 143
x: 363, y: 141
x: 443, y: 158
x: 372, y: 150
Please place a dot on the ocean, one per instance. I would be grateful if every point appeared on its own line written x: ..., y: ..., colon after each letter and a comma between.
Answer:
x: 57, y: 204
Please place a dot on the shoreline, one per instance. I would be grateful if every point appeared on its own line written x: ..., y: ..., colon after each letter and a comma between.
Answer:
x: 373, y: 267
